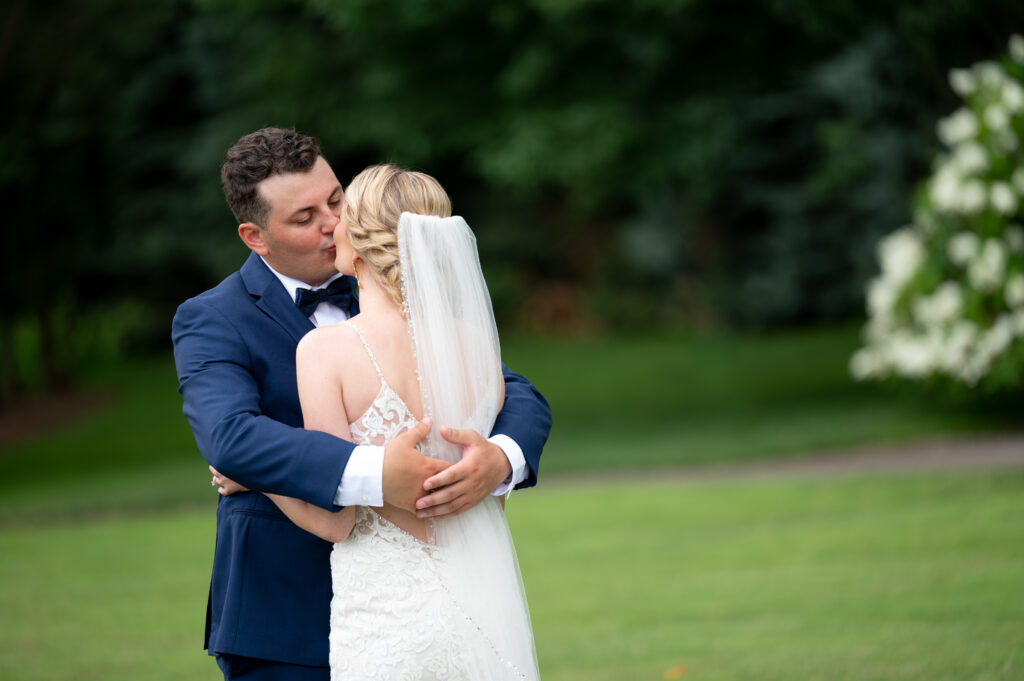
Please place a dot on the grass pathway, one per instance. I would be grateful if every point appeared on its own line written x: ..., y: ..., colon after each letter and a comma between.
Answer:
x: 976, y: 453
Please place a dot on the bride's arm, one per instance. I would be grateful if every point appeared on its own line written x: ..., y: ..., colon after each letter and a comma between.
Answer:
x: 334, y: 527
x: 319, y: 381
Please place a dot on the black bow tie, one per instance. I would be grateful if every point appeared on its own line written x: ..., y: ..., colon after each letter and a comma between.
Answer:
x: 338, y: 292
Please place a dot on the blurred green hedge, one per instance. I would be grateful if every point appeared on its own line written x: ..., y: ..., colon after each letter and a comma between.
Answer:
x: 674, y: 162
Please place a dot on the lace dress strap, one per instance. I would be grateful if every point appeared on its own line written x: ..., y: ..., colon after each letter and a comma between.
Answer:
x: 387, y: 416
x: 369, y: 352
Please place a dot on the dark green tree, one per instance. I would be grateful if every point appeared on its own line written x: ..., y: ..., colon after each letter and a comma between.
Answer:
x: 665, y: 161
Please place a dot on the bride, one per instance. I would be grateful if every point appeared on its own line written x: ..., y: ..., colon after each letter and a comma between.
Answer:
x: 413, y: 598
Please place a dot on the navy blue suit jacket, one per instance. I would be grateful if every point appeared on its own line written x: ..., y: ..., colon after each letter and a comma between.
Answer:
x: 234, y: 347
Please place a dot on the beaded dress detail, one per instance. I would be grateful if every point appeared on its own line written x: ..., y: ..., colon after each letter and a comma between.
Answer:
x: 392, y: 617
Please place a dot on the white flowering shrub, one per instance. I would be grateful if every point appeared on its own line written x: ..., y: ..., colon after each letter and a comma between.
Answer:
x: 949, y: 300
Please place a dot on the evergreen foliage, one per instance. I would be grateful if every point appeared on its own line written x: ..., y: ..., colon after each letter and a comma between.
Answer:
x: 624, y: 164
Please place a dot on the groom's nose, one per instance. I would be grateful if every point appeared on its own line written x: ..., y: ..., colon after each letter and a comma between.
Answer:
x: 329, y: 223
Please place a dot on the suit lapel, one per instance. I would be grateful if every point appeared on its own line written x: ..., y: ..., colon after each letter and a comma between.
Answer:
x: 271, y: 297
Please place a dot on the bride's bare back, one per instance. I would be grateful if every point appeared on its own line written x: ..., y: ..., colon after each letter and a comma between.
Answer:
x: 384, y: 402
x: 363, y: 391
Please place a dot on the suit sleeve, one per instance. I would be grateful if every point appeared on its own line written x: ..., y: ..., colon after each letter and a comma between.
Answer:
x: 526, y: 418
x: 222, y: 404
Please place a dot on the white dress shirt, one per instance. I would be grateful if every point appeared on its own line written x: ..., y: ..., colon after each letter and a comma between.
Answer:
x: 362, y: 481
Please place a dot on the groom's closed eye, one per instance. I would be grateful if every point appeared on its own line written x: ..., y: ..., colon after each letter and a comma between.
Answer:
x: 304, y: 216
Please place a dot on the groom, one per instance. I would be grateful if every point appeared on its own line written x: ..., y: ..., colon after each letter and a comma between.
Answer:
x: 267, y: 615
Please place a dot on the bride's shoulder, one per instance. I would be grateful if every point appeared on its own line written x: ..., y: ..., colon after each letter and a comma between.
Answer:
x: 323, y: 341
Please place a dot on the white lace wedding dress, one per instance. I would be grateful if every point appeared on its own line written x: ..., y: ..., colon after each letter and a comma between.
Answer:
x: 393, y: 616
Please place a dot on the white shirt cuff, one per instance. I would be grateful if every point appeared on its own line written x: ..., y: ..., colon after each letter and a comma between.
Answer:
x: 362, y: 483
x: 515, y: 459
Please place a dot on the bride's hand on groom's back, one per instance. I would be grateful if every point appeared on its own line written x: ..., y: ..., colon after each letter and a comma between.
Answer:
x: 225, y: 486
x: 459, y: 488
x: 405, y: 468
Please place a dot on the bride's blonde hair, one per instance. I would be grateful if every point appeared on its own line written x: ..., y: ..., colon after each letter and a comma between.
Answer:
x: 374, y: 201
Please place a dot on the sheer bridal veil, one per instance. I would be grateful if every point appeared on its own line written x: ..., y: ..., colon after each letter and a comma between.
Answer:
x: 458, y: 357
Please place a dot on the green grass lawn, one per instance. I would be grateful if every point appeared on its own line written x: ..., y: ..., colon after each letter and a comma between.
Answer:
x: 645, y: 402
x: 106, y: 527
x: 878, y: 578
x: 916, y: 577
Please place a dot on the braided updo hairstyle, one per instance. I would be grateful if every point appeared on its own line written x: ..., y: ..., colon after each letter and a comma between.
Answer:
x: 374, y: 201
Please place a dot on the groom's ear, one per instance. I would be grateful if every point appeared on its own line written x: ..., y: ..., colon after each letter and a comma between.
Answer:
x: 252, y: 236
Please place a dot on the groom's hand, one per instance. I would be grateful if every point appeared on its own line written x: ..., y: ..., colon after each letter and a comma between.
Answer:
x: 405, y: 468
x: 482, y: 468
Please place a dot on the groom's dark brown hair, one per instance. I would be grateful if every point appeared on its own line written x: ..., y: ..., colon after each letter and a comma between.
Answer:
x: 254, y: 158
